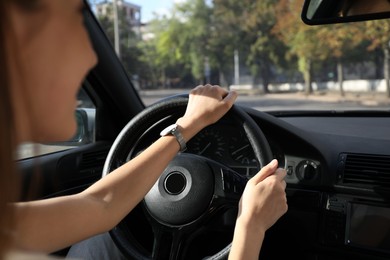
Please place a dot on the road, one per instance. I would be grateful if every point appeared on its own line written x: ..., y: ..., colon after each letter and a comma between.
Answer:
x: 294, y: 101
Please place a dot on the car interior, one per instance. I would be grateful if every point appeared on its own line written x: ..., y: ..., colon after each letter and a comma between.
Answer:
x: 337, y: 163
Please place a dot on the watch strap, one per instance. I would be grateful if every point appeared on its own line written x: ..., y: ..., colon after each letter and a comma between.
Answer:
x: 175, y: 131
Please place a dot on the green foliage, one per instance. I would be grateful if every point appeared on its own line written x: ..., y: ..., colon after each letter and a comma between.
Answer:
x: 269, y: 36
x: 317, y: 44
x: 130, y: 53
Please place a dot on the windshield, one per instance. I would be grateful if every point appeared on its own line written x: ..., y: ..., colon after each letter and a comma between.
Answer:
x: 260, y: 48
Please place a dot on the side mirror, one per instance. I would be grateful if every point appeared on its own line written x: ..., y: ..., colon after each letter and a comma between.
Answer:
x: 316, y: 12
x: 85, y: 134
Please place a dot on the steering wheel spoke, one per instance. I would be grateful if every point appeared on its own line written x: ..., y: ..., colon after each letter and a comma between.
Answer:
x: 229, y: 185
x: 166, y: 244
x: 169, y: 242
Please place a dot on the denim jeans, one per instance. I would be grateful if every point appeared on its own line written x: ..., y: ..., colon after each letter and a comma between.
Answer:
x: 100, y: 247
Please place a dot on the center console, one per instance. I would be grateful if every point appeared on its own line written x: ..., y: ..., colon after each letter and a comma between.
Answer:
x: 356, y: 223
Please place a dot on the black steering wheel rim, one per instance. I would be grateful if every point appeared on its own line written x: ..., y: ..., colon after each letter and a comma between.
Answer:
x: 131, y: 133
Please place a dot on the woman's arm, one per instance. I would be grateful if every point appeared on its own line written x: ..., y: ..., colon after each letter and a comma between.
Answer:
x: 49, y: 225
x: 262, y: 204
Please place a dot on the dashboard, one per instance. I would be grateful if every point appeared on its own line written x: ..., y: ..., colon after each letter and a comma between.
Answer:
x: 226, y: 144
x: 337, y: 167
x: 338, y: 172
x: 223, y: 142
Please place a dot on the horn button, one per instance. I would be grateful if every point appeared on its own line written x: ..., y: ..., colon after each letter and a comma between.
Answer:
x: 183, y: 192
x: 174, y: 183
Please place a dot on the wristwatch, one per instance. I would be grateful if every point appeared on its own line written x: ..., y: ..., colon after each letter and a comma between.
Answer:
x: 175, y: 131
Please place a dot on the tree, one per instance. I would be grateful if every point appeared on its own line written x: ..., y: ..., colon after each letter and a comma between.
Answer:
x: 183, y: 41
x: 266, y: 50
x: 197, y: 39
x: 226, y: 37
x: 299, y: 38
x: 162, y: 52
x: 340, y: 40
x: 310, y: 44
x: 247, y: 26
x: 129, y: 40
x: 378, y: 33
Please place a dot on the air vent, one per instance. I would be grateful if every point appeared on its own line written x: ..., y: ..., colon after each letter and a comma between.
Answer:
x: 367, y: 170
x: 93, y: 162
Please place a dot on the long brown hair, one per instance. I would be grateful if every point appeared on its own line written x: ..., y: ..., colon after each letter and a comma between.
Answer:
x: 8, y: 185
x: 9, y: 181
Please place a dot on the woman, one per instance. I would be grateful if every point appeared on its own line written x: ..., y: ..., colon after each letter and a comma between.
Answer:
x: 45, y: 54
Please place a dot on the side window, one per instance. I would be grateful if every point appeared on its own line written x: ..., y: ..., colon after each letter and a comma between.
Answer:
x: 85, y: 134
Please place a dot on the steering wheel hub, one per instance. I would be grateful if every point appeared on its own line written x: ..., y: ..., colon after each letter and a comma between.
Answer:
x: 183, y: 192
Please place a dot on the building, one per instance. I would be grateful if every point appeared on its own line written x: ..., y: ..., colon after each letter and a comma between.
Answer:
x: 131, y: 11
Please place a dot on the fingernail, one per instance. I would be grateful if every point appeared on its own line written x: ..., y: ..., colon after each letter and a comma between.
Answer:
x: 273, y: 163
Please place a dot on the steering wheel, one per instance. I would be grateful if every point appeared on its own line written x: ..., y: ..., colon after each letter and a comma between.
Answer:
x: 189, y: 193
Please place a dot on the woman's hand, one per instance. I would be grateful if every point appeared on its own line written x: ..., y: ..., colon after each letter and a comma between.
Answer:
x: 264, y: 199
x: 206, y: 105
x: 262, y: 203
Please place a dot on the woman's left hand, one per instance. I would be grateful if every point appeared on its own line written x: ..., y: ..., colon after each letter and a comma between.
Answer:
x: 206, y: 105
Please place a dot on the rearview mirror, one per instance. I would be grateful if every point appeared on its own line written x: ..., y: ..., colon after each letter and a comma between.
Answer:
x: 341, y: 11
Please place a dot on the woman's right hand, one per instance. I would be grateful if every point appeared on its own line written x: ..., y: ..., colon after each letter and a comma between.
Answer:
x: 264, y: 200
x: 262, y: 203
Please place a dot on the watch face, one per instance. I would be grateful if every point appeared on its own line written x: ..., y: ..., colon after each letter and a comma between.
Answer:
x: 168, y: 130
